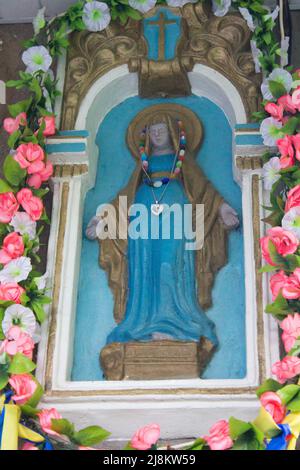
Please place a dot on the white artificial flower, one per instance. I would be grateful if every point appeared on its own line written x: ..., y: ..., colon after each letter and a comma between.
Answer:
x: 271, y: 172
x: 23, y: 224
x: 221, y: 7
x: 96, y: 16
x: 41, y: 281
x: 48, y: 102
x: 36, y: 336
x: 50, y: 74
x: 18, y: 315
x: 3, y: 356
x: 269, y: 130
x: 142, y: 5
x: 16, y: 270
x: 284, y: 49
x: 278, y: 75
x: 291, y: 221
x: 179, y: 3
x: 256, y: 54
x: 273, y: 15
x: 248, y: 17
x: 39, y: 21
x: 37, y: 58
x: 265, y: 90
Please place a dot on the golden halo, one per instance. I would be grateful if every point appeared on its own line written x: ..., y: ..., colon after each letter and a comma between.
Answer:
x: 192, y: 125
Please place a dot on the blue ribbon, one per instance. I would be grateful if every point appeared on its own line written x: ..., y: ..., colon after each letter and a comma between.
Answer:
x: 280, y: 442
x: 48, y: 445
x: 1, y: 424
x: 8, y: 396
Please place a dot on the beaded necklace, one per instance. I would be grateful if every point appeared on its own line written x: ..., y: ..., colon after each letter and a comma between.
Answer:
x: 157, y: 208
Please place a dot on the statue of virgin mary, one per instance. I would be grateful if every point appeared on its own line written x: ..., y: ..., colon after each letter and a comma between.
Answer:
x: 161, y: 290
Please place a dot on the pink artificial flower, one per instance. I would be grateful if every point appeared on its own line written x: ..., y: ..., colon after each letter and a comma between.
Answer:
x: 36, y: 180
x: 24, y: 387
x: 285, y: 243
x: 45, y: 417
x: 285, y: 119
x: 277, y: 282
x: 219, y: 438
x: 50, y: 125
x: 272, y: 404
x: 31, y: 204
x: 296, y: 142
x: 276, y: 111
x: 12, y: 125
x: 296, y: 98
x: 12, y: 248
x: 86, y: 448
x: 291, y: 330
x: 17, y: 341
x: 285, y: 146
x: 293, y: 198
x: 30, y: 156
x: 29, y: 446
x: 8, y: 207
x: 11, y: 292
x: 286, y: 369
x: 286, y: 149
x: 287, y: 103
x: 146, y: 437
x: 286, y: 162
x: 291, y: 288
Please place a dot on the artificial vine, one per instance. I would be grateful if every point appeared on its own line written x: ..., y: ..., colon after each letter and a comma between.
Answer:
x: 26, y: 170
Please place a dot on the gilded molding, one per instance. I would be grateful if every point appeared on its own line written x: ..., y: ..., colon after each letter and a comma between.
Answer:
x: 68, y: 171
x: 156, y: 391
x: 259, y: 287
x: 223, y: 43
x: 91, y: 55
x: 56, y: 284
x: 220, y: 43
x: 49, y: 392
x: 249, y: 163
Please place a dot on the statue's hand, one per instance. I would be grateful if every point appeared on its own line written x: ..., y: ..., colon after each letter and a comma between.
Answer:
x: 229, y: 216
x: 90, y: 231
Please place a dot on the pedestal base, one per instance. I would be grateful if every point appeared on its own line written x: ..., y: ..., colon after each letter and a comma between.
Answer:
x: 155, y: 360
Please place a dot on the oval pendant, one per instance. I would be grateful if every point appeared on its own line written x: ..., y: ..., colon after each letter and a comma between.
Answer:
x: 157, y: 184
x: 157, y: 209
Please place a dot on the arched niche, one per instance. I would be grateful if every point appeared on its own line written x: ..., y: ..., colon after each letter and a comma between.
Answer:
x: 222, y: 44
x: 95, y: 78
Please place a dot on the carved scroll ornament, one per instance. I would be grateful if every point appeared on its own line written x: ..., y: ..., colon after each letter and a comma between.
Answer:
x: 220, y: 43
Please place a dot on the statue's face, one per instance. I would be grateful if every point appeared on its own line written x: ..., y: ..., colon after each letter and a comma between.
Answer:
x: 159, y: 136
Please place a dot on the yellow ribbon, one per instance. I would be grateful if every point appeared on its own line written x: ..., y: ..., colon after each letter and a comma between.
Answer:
x: 13, y: 429
x: 293, y: 420
x: 267, y: 425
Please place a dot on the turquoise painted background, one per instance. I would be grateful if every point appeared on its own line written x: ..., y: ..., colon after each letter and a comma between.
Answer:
x: 172, y: 33
x: 94, y: 319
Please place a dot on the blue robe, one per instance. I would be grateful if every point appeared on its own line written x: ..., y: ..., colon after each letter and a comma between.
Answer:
x: 162, y: 296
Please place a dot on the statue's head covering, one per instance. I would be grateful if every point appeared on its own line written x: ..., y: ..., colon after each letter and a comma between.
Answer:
x: 170, y: 114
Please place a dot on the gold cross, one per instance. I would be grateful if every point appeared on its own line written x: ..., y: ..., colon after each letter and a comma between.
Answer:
x: 161, y: 22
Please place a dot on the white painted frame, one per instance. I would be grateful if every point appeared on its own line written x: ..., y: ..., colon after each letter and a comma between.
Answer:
x: 121, y: 412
